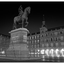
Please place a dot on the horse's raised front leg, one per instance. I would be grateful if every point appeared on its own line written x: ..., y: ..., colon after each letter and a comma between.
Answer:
x: 26, y: 22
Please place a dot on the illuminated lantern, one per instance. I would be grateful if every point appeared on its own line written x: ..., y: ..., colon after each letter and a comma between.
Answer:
x: 42, y: 51
x: 57, y: 53
x: 47, y: 52
x: 38, y: 53
x: 52, y: 52
x: 3, y: 52
x: 62, y: 52
x: 38, y: 50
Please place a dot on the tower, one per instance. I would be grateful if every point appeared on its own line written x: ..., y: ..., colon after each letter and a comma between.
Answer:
x: 18, y: 48
x: 43, y: 28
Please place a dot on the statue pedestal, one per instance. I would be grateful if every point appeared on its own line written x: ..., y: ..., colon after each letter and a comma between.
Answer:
x: 18, y: 43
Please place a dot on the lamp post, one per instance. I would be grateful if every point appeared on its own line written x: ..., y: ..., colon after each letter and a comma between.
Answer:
x: 43, y: 54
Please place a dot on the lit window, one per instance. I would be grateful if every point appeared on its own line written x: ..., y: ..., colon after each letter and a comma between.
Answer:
x: 35, y: 37
x: 62, y: 43
x: 29, y: 41
x: 42, y: 45
x: 44, y: 39
x: 35, y: 53
x: 47, y: 44
x: 38, y: 51
x: 30, y: 38
x: 31, y: 53
x: 32, y: 41
x: 41, y: 40
x: 51, y: 33
x: 61, y: 37
x: 55, y: 33
x: 57, y: 38
x: 38, y: 36
x: 35, y: 46
x: 37, y: 40
x: 38, y: 45
x: 57, y: 44
x: 52, y: 44
x: 44, y: 34
x: 4, y: 39
x: 31, y: 46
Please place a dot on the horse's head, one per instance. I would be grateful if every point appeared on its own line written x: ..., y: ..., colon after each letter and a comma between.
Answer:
x: 28, y: 10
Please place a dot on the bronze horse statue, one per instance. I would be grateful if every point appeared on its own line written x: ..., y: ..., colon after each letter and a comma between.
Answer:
x: 23, y: 16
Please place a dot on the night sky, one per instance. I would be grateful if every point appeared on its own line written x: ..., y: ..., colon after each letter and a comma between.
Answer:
x: 53, y: 13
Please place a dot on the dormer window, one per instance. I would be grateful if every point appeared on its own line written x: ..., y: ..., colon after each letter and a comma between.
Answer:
x: 35, y: 36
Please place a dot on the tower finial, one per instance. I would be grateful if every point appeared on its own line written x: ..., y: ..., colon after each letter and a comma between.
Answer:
x: 43, y: 22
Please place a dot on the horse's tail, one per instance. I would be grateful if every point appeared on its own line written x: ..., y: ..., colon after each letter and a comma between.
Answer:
x: 14, y: 19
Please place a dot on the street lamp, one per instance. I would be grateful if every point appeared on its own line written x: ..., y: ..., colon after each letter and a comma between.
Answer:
x: 47, y: 52
x: 62, y: 52
x: 42, y: 51
x: 52, y: 53
x: 57, y: 53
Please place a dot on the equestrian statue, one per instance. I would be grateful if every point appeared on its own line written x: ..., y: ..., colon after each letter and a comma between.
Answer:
x: 22, y: 17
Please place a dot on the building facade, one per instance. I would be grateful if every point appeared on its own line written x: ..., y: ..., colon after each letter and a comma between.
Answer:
x: 47, y: 43
x: 44, y: 44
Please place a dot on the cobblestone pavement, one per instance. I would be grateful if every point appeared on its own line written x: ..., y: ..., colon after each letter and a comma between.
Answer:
x: 34, y: 60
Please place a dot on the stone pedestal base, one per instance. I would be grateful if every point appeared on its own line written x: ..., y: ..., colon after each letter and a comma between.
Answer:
x: 18, y: 43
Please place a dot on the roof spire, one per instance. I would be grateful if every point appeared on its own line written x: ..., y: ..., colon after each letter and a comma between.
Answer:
x: 43, y: 17
x: 43, y: 22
